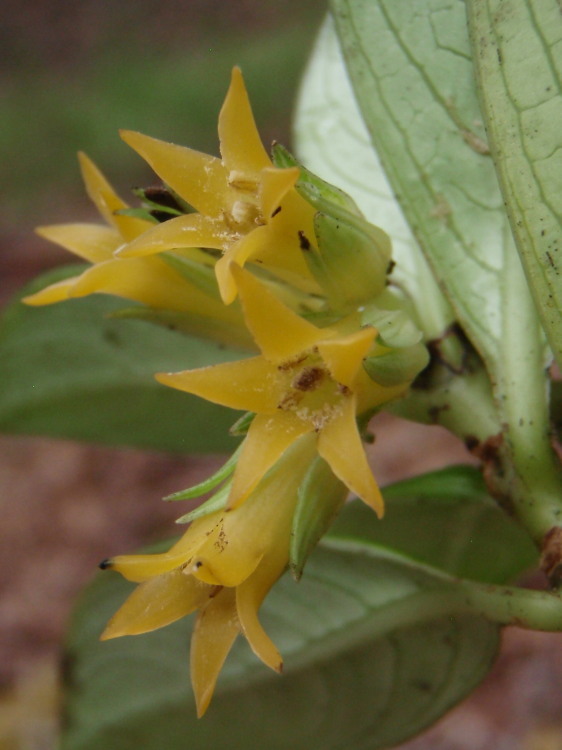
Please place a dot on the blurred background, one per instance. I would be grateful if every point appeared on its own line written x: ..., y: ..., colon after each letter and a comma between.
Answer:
x: 72, y: 74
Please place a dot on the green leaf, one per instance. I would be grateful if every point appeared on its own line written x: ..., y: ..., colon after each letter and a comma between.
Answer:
x: 412, y: 73
x: 450, y: 505
x: 358, y: 671
x: 333, y: 141
x: 70, y: 371
x: 374, y: 644
x: 411, y: 68
x: 517, y: 53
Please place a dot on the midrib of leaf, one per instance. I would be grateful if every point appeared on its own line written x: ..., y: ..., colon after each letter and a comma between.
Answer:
x: 532, y: 194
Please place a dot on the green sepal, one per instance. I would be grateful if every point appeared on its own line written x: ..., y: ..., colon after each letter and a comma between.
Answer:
x: 321, y: 194
x: 137, y: 213
x: 212, y: 505
x: 242, y: 425
x: 398, y: 365
x: 207, y: 484
x: 192, y: 324
x: 320, y: 498
x: 197, y: 267
x: 352, y: 259
x: 351, y: 262
x: 395, y: 326
x: 154, y: 205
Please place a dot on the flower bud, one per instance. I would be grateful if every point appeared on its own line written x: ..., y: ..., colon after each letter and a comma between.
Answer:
x: 351, y: 258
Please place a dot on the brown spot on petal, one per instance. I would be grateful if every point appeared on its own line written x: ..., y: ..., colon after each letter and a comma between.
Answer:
x: 304, y: 242
x: 308, y: 379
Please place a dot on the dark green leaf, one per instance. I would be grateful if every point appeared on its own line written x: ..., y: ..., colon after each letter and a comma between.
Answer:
x: 369, y: 657
x: 70, y: 371
x: 359, y: 672
x: 444, y: 519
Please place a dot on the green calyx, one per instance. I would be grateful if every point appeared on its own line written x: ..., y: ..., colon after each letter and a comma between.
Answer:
x: 397, y: 365
x: 352, y: 257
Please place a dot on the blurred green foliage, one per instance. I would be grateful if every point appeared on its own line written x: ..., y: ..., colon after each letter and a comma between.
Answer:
x: 76, y: 74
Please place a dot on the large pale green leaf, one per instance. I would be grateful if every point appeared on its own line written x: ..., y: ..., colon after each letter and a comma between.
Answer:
x: 70, y: 371
x: 332, y: 140
x: 411, y: 69
x: 371, y: 656
x: 518, y: 58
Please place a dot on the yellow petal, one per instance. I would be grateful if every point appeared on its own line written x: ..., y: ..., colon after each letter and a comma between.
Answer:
x: 250, y: 384
x: 139, y: 568
x: 344, y: 354
x: 241, y: 146
x: 53, y: 293
x: 190, y: 230
x: 274, y: 185
x: 279, y: 332
x: 339, y: 443
x: 296, y: 220
x: 215, y: 631
x: 198, y: 178
x: 217, y: 569
x: 108, y: 202
x: 142, y: 567
x: 371, y: 394
x: 92, y: 242
x: 279, y: 249
x: 246, y: 248
x: 267, y: 439
x: 154, y: 283
x: 249, y: 596
x: 156, y: 603
x: 276, y: 251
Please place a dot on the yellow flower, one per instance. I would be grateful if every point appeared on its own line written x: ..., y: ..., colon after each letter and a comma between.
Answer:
x: 307, y: 380
x: 247, y: 208
x: 223, y: 566
x: 151, y: 281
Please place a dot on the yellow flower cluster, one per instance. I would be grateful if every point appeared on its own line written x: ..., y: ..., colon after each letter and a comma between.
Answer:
x: 233, y: 262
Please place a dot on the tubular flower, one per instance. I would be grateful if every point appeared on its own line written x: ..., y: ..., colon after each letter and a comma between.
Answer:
x: 151, y: 281
x: 307, y: 380
x: 223, y: 566
x: 246, y: 207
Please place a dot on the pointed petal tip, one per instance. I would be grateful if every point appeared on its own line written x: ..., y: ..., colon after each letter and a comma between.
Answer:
x: 33, y: 300
x: 203, y: 701
x: 106, y: 564
x: 109, y: 633
x: 84, y: 160
x: 134, y: 139
x: 375, y: 501
x: 125, y: 134
x: 165, y: 378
